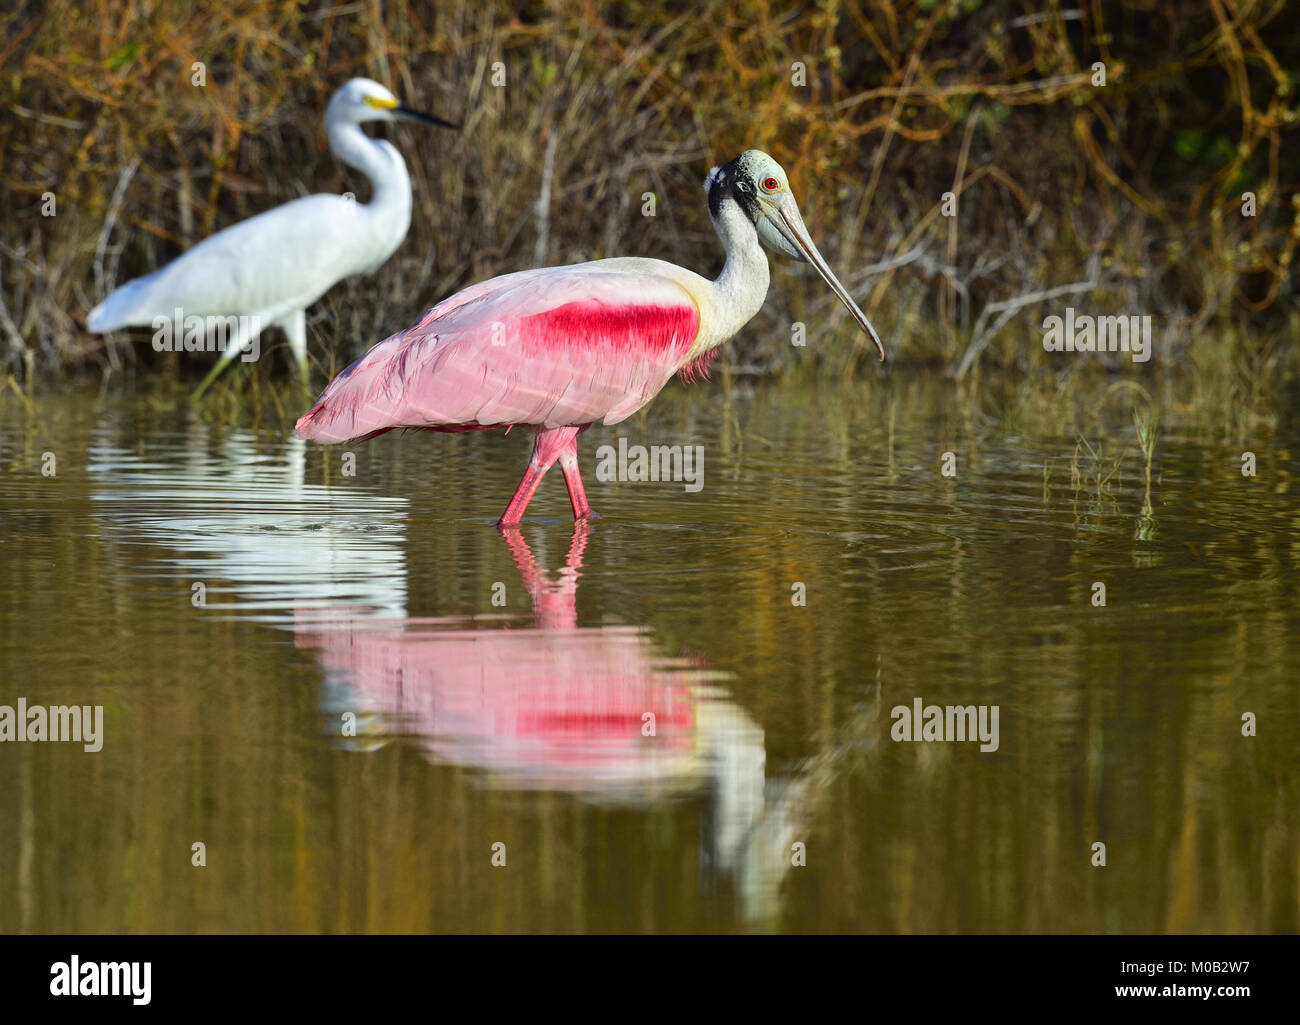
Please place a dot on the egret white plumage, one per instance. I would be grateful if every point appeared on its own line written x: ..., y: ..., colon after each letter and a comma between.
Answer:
x: 268, y: 269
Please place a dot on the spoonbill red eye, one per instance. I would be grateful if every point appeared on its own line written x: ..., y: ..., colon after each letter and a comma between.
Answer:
x: 770, y: 184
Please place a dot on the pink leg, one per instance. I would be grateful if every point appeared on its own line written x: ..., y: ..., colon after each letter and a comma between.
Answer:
x: 551, y: 443
x: 553, y: 600
x: 573, y: 478
x: 523, y: 495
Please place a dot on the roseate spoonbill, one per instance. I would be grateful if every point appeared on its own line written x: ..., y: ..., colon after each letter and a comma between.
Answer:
x: 558, y: 348
x: 268, y: 269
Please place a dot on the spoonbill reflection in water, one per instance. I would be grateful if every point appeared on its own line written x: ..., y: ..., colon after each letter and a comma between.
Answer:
x: 558, y: 348
x: 552, y: 705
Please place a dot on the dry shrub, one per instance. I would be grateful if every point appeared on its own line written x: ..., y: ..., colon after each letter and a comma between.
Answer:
x: 1126, y: 197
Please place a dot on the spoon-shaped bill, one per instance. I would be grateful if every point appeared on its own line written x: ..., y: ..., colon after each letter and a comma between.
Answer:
x: 789, y: 223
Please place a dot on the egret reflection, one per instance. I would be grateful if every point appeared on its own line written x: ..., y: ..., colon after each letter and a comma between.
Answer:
x: 236, y: 512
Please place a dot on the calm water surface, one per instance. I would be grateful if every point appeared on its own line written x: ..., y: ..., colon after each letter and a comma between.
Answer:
x: 498, y: 687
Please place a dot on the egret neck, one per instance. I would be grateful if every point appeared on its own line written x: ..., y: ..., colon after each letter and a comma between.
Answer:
x: 389, y: 209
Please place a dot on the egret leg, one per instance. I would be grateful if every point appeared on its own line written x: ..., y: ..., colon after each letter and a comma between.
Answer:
x: 551, y: 443
x: 295, y: 327
x: 234, y: 346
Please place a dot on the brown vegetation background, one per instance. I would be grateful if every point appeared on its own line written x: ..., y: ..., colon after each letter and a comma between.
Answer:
x: 1122, y: 199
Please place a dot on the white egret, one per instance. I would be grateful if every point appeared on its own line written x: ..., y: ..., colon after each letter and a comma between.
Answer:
x: 268, y: 269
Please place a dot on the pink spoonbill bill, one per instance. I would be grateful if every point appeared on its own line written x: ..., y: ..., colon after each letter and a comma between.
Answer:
x: 558, y: 348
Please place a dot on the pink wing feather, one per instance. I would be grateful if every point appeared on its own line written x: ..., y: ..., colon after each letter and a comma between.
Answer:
x: 556, y: 347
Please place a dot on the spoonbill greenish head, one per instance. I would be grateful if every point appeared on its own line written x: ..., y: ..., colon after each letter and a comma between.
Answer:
x: 558, y: 348
x: 759, y: 186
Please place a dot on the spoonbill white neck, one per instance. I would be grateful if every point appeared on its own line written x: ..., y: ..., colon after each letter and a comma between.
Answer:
x: 740, y: 289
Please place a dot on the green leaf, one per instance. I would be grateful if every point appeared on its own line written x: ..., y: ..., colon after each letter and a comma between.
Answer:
x: 124, y: 56
x: 1189, y: 144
